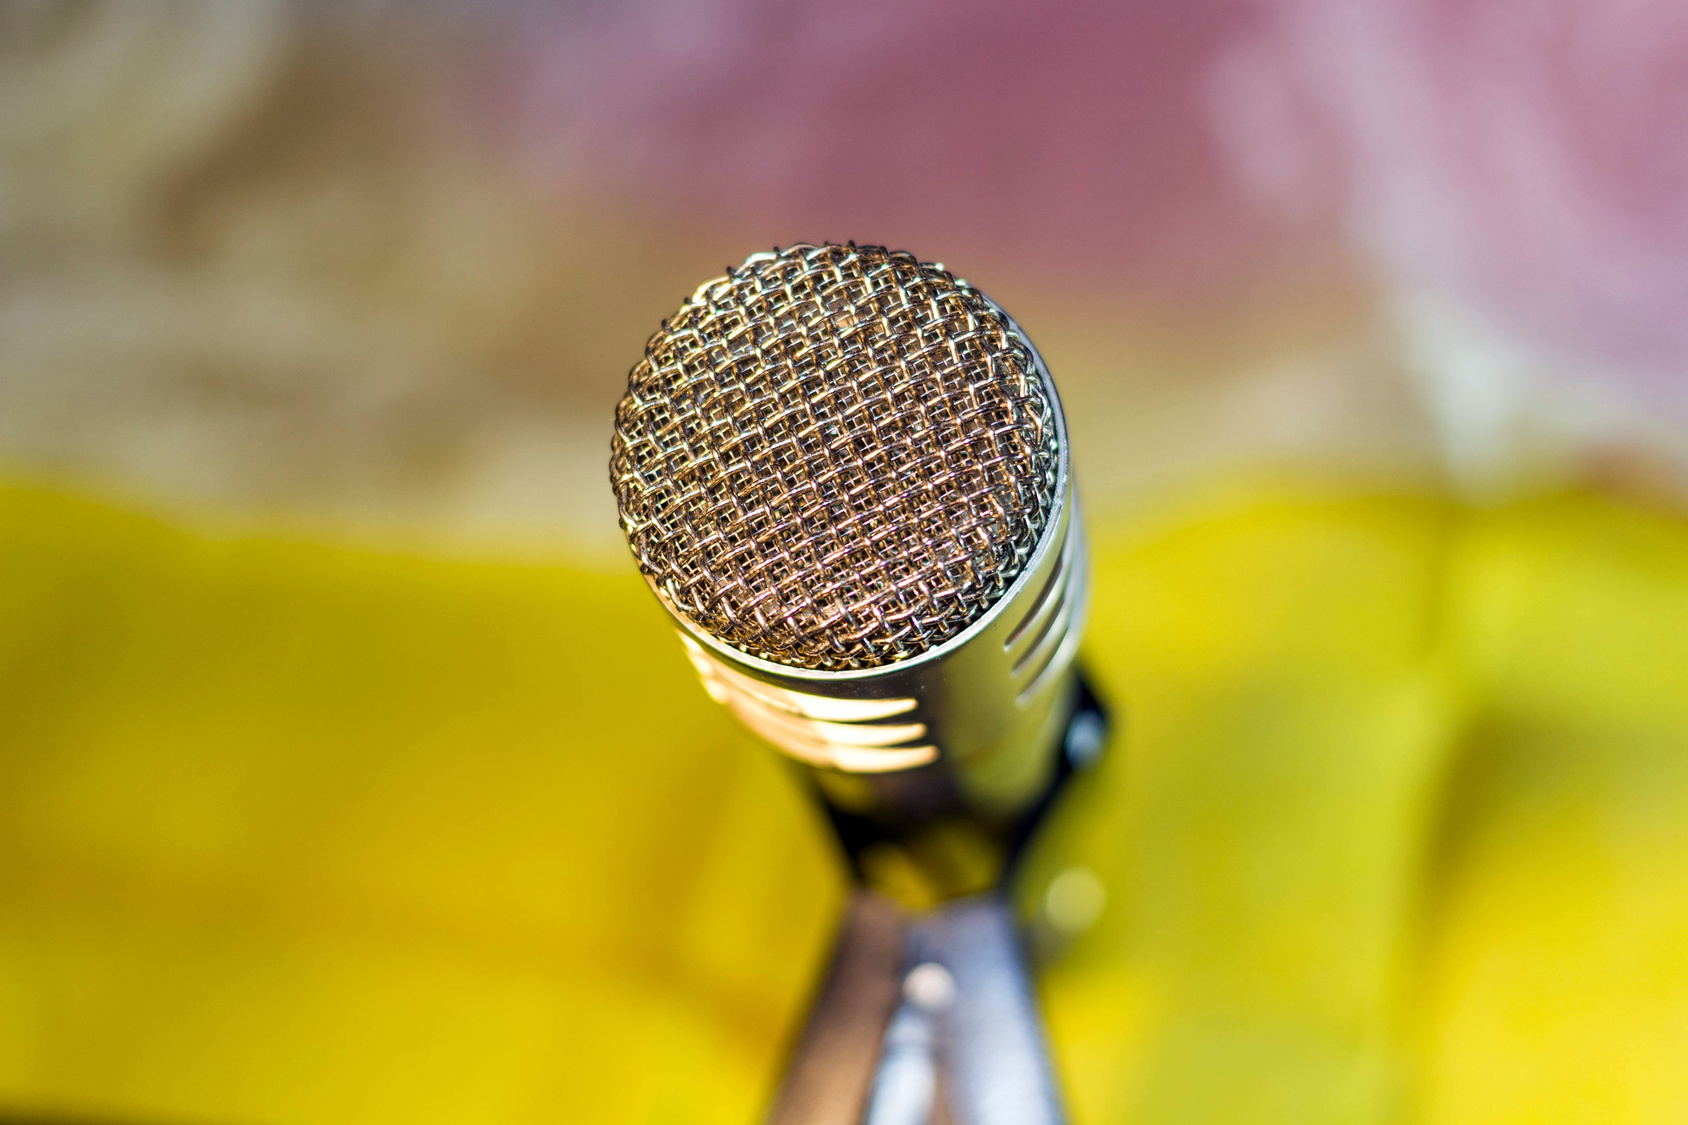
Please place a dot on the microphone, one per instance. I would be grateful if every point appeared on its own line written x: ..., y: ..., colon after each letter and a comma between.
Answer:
x: 845, y: 474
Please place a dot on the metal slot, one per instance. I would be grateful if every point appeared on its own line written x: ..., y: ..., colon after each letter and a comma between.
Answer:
x: 1052, y: 591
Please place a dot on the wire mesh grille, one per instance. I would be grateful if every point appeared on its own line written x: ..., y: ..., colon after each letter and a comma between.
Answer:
x: 834, y: 457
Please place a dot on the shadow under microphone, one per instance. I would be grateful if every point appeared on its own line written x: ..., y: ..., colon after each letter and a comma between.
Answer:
x: 845, y: 473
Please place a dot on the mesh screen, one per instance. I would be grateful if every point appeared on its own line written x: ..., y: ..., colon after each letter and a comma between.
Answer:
x: 834, y: 457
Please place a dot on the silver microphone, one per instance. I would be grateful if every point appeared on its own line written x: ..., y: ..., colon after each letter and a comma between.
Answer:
x: 845, y: 473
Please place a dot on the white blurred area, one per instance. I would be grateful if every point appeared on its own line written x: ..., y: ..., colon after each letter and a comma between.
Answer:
x: 1515, y: 175
x: 282, y: 261
x: 255, y: 259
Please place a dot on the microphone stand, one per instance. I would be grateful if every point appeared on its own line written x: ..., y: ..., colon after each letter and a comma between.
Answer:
x: 932, y: 1018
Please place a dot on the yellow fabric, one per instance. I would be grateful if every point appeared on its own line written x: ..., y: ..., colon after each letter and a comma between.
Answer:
x: 1395, y: 829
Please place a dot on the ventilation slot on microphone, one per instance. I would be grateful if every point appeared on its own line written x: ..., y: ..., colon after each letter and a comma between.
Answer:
x: 1046, y: 651
x: 1035, y: 623
x: 845, y: 734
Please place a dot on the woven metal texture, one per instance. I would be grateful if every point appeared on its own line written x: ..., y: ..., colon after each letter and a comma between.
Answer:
x: 834, y: 457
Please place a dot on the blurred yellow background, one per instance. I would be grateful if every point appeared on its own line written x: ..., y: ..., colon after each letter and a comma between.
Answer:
x: 1397, y: 828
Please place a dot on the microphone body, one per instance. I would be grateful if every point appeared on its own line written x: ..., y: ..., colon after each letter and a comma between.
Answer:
x: 845, y: 474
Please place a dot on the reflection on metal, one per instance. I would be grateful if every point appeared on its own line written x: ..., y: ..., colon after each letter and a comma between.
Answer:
x: 905, y: 1087
x: 968, y: 1014
x: 906, y: 1084
x: 994, y: 1057
x: 1045, y: 643
x: 846, y: 734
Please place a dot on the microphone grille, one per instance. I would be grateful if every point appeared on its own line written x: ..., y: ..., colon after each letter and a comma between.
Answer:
x: 834, y: 457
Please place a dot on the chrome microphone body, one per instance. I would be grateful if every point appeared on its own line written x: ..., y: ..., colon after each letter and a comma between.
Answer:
x: 845, y: 473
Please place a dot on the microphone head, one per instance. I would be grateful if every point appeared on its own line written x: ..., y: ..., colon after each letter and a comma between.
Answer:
x: 835, y: 457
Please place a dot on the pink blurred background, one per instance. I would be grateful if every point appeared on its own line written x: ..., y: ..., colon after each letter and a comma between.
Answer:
x: 383, y: 267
